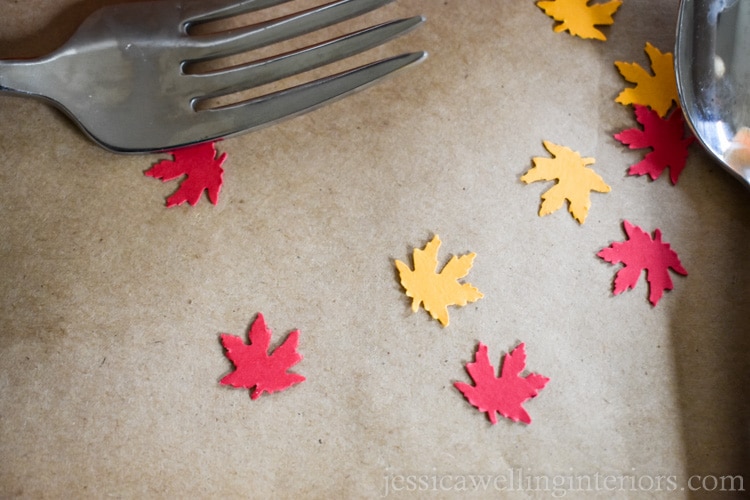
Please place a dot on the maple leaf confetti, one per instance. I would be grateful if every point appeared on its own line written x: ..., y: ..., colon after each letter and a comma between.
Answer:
x: 642, y: 252
x: 658, y: 90
x: 665, y: 136
x: 505, y: 394
x: 580, y: 17
x: 254, y: 367
x: 436, y: 291
x: 202, y: 171
x: 575, y: 180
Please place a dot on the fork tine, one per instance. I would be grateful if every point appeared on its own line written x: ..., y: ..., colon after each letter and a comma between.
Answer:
x: 267, y: 71
x: 201, y: 11
x: 253, y: 37
x: 268, y: 109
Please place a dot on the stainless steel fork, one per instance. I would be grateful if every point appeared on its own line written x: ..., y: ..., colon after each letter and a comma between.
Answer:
x: 122, y: 78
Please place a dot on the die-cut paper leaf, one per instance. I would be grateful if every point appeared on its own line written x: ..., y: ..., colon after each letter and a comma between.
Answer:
x: 202, y: 171
x: 658, y: 90
x: 665, y: 136
x: 574, y: 181
x: 580, y: 17
x: 436, y: 291
x: 638, y: 253
x: 254, y: 367
x: 505, y: 394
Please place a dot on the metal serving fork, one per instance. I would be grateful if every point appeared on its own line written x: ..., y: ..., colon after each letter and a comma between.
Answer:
x: 122, y: 78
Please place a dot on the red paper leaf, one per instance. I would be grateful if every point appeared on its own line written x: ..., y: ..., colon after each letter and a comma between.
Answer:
x: 202, y: 171
x: 254, y: 367
x: 665, y: 136
x: 641, y: 252
x: 504, y: 394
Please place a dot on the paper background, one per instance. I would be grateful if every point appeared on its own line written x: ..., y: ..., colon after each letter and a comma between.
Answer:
x: 111, y: 305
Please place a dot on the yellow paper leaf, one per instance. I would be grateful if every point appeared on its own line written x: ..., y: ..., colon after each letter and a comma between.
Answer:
x: 579, y: 18
x: 575, y: 181
x: 436, y: 291
x: 658, y: 90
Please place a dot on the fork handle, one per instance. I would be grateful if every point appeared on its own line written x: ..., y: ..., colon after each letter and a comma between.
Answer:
x: 22, y: 77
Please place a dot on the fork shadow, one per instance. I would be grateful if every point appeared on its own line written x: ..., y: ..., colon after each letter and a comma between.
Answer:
x: 709, y: 328
x: 711, y: 343
x: 61, y: 27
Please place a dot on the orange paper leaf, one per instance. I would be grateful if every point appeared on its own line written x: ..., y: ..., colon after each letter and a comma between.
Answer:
x: 658, y: 90
x: 575, y: 180
x: 580, y: 17
x: 436, y: 291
